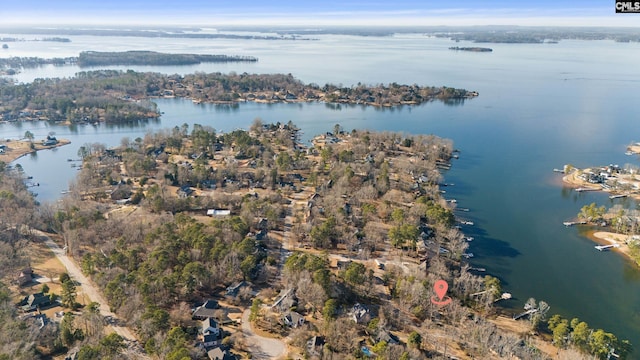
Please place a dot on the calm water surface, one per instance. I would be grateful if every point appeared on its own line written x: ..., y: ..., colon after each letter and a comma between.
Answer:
x: 540, y: 106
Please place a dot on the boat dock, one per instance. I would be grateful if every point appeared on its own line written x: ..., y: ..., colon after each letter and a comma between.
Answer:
x: 618, y: 196
x: 528, y: 312
x: 581, y: 189
x: 606, y: 247
x: 571, y: 223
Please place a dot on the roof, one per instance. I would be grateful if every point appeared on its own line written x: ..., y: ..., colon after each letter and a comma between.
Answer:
x: 206, y: 310
x: 233, y: 289
x: 220, y: 354
x: 208, y: 324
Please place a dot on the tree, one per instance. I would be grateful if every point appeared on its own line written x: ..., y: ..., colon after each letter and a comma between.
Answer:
x: 28, y: 135
x: 580, y: 335
x: 355, y: 274
x: 255, y: 309
x: 68, y: 295
x: 329, y: 309
x: 560, y: 333
x: 601, y: 343
x: 111, y: 344
x: 493, y: 286
x: 414, y: 339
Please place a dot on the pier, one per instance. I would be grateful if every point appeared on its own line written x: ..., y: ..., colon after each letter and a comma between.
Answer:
x: 582, y: 189
x: 618, y: 196
x: 571, y: 223
x: 606, y: 247
x: 528, y: 312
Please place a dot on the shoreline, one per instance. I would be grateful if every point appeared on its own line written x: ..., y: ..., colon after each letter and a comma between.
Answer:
x: 573, y: 181
x: 18, y: 148
x: 611, y: 238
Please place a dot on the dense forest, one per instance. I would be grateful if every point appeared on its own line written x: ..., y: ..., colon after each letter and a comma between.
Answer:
x: 117, y: 96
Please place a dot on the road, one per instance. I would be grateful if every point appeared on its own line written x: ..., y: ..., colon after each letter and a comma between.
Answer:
x: 261, y: 347
x: 90, y: 290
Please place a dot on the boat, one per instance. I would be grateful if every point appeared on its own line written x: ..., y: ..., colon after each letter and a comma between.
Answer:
x: 469, y: 238
x: 629, y: 153
x: 467, y: 255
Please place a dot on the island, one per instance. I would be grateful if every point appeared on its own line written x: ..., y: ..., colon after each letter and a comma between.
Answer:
x: 472, y: 49
x: 117, y: 96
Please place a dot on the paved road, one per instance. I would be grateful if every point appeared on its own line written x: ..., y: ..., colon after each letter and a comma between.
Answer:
x: 89, y: 289
x: 261, y: 347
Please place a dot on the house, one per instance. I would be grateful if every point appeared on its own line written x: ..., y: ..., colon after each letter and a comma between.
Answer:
x: 211, y: 340
x: 360, y: 314
x: 220, y: 353
x: 293, y: 319
x: 50, y: 141
x: 121, y: 192
x: 210, y: 327
x: 206, y: 310
x: 25, y: 277
x: 185, y: 191
x: 285, y: 301
x: 235, y: 288
x: 3, y: 148
x: 315, y: 345
x: 34, y: 302
x: 387, y: 336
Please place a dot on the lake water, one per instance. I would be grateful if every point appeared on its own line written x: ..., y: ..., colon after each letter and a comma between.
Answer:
x: 540, y: 106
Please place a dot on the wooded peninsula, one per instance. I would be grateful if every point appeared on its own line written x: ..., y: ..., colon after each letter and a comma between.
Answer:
x: 116, y: 96
x: 249, y: 243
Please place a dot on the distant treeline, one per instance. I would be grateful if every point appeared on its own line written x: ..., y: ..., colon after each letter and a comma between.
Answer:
x: 152, y: 33
x: 96, y: 58
x: 31, y: 62
x: 473, y: 49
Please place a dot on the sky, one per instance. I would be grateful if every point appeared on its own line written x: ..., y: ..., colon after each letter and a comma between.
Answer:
x: 313, y: 13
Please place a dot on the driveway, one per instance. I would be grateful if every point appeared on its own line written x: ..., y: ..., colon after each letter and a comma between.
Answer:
x: 261, y: 347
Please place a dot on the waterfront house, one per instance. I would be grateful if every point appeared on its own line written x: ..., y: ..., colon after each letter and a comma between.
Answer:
x: 50, y: 141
